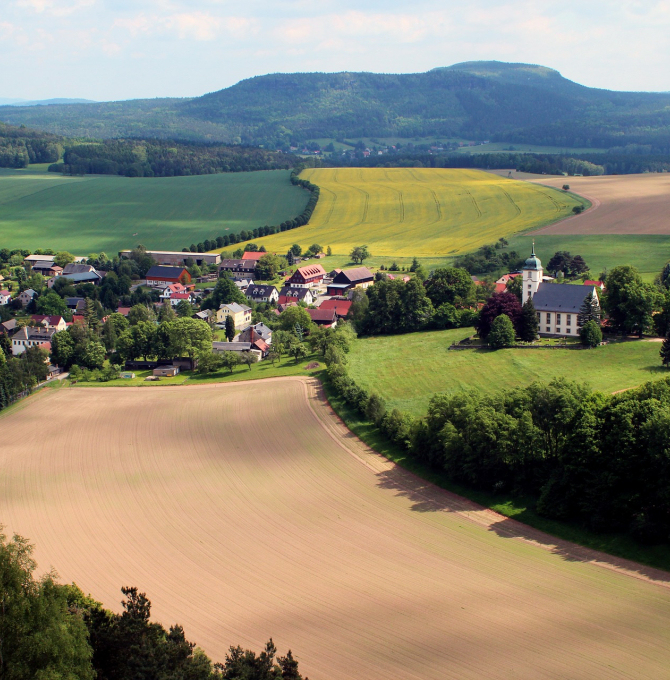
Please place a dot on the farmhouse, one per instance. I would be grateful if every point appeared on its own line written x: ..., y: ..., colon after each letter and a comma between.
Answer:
x: 288, y: 294
x: 258, y: 293
x: 160, y: 276
x: 173, y: 257
x: 557, y: 305
x: 346, y: 280
x: 47, y: 268
x: 311, y: 275
x: 241, y: 314
x: 31, y: 337
x: 246, y: 267
x: 56, y: 323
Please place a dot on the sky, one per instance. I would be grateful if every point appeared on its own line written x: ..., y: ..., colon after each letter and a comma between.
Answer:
x: 127, y: 49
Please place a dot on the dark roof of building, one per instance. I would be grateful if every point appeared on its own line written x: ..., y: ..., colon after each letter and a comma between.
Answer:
x: 327, y: 315
x: 72, y: 301
x: 255, y: 290
x: 297, y: 293
x: 248, y: 265
x: 158, y: 272
x: 231, y: 346
x: 557, y: 297
x: 82, y: 276
x: 354, y: 275
x: 73, y: 268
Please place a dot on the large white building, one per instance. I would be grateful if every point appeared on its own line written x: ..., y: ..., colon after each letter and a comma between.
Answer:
x: 557, y: 305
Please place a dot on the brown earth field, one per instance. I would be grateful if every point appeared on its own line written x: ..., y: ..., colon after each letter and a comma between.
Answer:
x: 622, y: 204
x: 248, y: 510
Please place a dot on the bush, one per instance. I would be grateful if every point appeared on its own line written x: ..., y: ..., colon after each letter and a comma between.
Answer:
x: 591, y: 334
x: 502, y: 332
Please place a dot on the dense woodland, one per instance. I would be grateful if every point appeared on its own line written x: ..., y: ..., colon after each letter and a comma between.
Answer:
x: 54, y: 631
x: 20, y: 147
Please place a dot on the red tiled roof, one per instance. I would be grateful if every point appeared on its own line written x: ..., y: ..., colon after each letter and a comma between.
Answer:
x: 311, y: 270
x: 181, y: 296
x: 261, y: 345
x: 123, y: 311
x: 322, y: 314
x: 51, y: 320
x: 252, y: 256
x: 341, y: 307
x: 78, y: 318
x: 594, y: 283
x: 500, y: 288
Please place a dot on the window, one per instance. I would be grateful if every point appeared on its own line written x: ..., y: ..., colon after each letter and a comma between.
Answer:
x: 568, y: 330
x: 558, y: 330
x: 569, y: 319
x: 548, y: 329
x: 558, y: 318
x: 548, y: 317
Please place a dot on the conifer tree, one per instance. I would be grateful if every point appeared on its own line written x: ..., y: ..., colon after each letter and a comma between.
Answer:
x: 665, y: 350
x: 91, y: 315
x: 589, y: 311
x: 529, y: 325
x: 230, y: 328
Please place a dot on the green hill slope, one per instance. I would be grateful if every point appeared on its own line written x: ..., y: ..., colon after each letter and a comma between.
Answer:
x: 476, y: 100
x: 95, y: 213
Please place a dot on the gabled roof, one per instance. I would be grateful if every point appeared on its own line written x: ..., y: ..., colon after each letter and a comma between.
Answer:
x: 599, y: 284
x: 73, y: 268
x: 4, y: 292
x: 295, y: 293
x: 247, y: 255
x: 561, y: 297
x: 355, y: 275
x: 231, y: 346
x: 158, y: 272
x: 255, y: 290
x: 35, y: 334
x: 181, y: 296
x: 310, y: 271
x: 52, y: 320
x: 29, y: 291
x: 235, y: 308
x: 340, y: 307
x: 327, y: 315
x: 248, y: 265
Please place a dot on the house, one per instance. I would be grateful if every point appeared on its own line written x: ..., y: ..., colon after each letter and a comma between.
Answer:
x: 348, y: 279
x: 55, y: 322
x: 123, y: 311
x: 258, y: 293
x: 47, y: 268
x: 82, y: 273
x: 597, y: 284
x: 506, y: 278
x: 31, y: 337
x: 8, y: 327
x: 500, y: 288
x: 255, y: 331
x: 31, y: 259
x: 176, y: 298
x: 5, y: 297
x: 557, y: 305
x: 236, y: 347
x: 173, y: 257
x: 241, y: 314
x: 171, y: 290
x: 246, y: 267
x: 166, y: 371
x: 255, y: 256
x: 310, y: 275
x: 164, y: 276
x: 73, y: 302
x: 243, y: 284
x: 26, y: 297
x: 339, y: 306
x: 204, y: 315
x: 323, y: 317
x: 334, y: 273
x: 288, y: 294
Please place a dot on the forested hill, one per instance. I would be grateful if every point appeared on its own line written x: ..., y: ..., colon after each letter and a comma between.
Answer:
x: 20, y: 146
x: 475, y: 100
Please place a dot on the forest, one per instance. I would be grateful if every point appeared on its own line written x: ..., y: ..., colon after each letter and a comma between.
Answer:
x: 20, y: 147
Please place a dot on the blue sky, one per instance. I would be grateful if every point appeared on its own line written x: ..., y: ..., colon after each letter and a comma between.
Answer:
x: 123, y: 49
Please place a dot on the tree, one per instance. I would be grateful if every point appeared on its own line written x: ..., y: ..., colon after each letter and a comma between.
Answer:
x: 224, y: 293
x: 62, y: 348
x: 630, y: 302
x: 375, y: 408
x: 515, y: 286
x: 90, y: 354
x: 501, y: 303
x: 329, y: 251
x: 296, y: 250
x: 528, y: 324
x: 665, y: 351
x: 269, y: 266
x: 591, y: 334
x: 560, y: 262
x: 40, y: 636
x: 502, y: 332
x: 359, y: 254
x: 273, y: 356
x: 91, y: 315
x: 290, y: 258
x: 230, y: 329
x: 167, y: 313
x: 186, y: 337
x: 294, y: 317
x: 209, y: 362
x: 589, y: 311
x: 229, y: 360
x: 139, y: 313
x: 51, y: 304
x: 414, y: 266
x: 577, y: 266
x: 109, y: 335
x: 314, y: 249
x: 184, y: 309
x: 63, y: 258
x: 449, y: 284
x: 298, y: 351
x: 248, y: 358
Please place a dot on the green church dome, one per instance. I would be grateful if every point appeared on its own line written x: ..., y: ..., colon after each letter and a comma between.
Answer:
x: 533, y: 262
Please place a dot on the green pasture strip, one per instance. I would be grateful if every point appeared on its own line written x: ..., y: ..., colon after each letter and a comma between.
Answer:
x: 109, y: 213
x: 407, y: 370
x: 519, y: 509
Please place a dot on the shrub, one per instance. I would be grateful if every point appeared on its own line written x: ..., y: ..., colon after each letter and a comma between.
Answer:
x: 591, y: 334
x: 502, y: 332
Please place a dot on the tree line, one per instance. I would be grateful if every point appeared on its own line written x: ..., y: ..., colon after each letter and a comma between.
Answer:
x: 53, y: 630
x: 20, y: 147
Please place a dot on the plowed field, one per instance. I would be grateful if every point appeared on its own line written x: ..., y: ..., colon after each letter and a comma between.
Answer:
x: 622, y: 204
x: 248, y: 511
x: 420, y: 212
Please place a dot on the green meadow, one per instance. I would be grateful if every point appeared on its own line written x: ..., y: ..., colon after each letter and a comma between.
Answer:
x: 407, y: 370
x: 109, y: 213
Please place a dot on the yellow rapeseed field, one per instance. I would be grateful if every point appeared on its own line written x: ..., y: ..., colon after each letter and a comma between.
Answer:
x: 420, y: 212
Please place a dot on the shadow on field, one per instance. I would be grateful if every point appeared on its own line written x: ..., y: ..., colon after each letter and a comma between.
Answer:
x: 571, y: 552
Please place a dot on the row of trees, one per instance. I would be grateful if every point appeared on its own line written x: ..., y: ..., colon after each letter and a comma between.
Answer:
x: 51, y: 630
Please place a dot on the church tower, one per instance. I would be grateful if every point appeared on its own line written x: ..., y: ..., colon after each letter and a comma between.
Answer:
x: 532, y: 276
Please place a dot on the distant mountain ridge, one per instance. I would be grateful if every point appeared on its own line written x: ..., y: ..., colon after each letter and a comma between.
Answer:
x: 522, y: 103
x: 44, y: 102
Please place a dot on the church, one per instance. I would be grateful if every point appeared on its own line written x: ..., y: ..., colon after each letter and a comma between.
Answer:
x: 557, y: 305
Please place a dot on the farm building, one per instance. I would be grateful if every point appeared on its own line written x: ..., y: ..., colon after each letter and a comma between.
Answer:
x: 82, y: 273
x: 557, y: 305
x: 258, y: 293
x: 173, y: 257
x: 348, y: 279
x: 241, y: 314
x: 311, y: 275
x: 238, y: 347
x: 31, y: 259
x: 288, y: 294
x: 47, y: 268
x: 246, y: 267
x: 163, y: 276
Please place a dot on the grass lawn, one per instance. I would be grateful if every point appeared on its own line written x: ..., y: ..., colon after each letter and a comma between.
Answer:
x: 518, y: 508
x: 109, y: 213
x: 262, y: 369
x: 407, y: 370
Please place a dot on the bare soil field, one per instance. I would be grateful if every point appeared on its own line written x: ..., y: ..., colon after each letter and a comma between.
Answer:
x: 622, y: 204
x: 248, y: 510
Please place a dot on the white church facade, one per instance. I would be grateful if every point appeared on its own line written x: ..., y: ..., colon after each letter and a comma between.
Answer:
x: 557, y: 305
